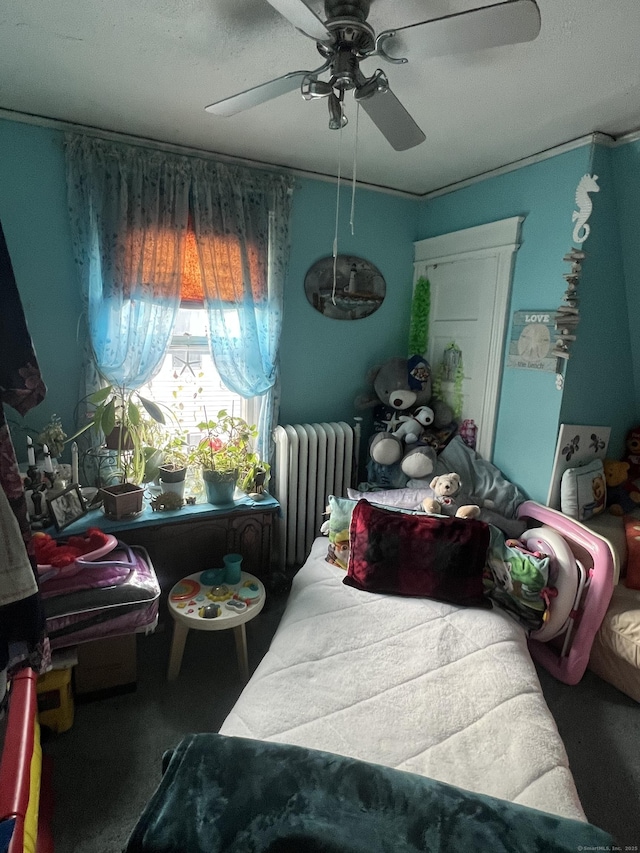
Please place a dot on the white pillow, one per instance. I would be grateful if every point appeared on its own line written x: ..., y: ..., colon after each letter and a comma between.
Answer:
x: 400, y: 498
x: 583, y: 490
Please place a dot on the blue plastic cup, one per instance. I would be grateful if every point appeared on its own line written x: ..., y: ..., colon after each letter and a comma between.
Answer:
x: 232, y: 568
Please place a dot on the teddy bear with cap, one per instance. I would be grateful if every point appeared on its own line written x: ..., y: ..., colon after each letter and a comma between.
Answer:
x: 404, y: 413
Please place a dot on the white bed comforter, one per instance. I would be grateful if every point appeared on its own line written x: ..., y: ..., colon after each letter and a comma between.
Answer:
x: 414, y: 684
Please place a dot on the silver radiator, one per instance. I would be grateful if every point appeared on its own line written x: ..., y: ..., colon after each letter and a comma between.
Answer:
x: 312, y: 461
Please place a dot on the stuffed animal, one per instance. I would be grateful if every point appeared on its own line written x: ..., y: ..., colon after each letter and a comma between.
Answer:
x: 632, y: 444
x: 446, y: 488
x: 412, y: 426
x: 400, y: 387
x: 622, y: 494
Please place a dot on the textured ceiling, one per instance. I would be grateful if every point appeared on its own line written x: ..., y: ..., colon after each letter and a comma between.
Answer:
x: 149, y: 67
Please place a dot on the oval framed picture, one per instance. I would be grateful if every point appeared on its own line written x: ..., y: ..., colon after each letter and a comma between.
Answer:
x: 358, y: 290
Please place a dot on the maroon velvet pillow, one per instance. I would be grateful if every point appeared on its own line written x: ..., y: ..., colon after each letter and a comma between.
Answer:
x: 419, y: 555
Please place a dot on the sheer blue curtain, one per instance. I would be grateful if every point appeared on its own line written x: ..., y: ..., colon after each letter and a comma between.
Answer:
x: 241, y: 221
x: 129, y: 209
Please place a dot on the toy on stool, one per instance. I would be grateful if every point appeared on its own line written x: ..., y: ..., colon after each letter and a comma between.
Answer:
x: 446, y: 488
x: 622, y: 493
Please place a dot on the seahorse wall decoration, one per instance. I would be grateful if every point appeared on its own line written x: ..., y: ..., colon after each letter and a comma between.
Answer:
x: 588, y: 184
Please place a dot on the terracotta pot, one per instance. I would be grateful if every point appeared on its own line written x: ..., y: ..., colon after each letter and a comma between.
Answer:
x: 122, y: 500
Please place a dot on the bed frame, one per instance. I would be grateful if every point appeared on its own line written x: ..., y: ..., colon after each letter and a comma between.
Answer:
x: 442, y: 695
x: 25, y: 795
x: 568, y: 661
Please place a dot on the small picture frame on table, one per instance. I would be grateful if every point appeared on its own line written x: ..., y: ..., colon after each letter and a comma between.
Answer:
x: 66, y: 507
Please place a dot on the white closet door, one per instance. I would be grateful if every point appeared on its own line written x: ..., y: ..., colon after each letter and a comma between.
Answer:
x: 470, y: 275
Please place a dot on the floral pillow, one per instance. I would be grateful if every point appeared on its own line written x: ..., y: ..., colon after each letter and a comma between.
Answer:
x: 338, y: 529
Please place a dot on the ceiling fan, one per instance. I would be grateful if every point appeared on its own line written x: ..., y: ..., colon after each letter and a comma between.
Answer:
x: 345, y: 39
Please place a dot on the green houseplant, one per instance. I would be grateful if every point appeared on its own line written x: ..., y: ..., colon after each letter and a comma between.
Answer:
x: 224, y: 454
x: 128, y: 423
x: 174, y: 462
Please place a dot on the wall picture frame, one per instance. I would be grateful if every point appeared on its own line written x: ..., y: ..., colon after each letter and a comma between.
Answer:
x: 359, y: 288
x: 66, y: 507
x: 577, y: 445
x: 532, y: 340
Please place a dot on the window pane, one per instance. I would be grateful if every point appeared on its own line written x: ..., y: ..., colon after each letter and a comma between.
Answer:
x: 188, y: 382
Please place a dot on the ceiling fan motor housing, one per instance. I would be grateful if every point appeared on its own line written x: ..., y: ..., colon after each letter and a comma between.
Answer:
x: 345, y: 39
x: 345, y: 9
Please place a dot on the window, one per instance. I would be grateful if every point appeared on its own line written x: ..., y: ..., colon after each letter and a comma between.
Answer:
x: 188, y: 382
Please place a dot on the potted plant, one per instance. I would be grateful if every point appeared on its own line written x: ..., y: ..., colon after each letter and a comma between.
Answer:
x: 128, y: 423
x: 53, y: 436
x: 172, y: 469
x: 223, y: 454
x: 255, y: 477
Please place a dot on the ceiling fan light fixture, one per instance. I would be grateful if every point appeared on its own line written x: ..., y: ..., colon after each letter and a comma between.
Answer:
x: 378, y: 82
x: 312, y: 88
x: 337, y: 118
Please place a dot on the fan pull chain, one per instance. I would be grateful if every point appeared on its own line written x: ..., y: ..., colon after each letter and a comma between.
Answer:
x: 335, y: 235
x: 355, y: 168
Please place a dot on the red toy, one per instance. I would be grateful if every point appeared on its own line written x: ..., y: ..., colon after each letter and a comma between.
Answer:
x: 62, y: 553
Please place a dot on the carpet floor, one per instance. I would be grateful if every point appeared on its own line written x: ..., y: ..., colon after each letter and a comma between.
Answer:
x: 108, y: 764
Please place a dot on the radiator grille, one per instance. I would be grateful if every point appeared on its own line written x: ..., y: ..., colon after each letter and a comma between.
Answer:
x: 312, y: 461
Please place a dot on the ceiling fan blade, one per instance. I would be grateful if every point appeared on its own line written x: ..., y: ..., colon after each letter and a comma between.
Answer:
x: 258, y: 94
x: 303, y: 18
x: 392, y: 120
x: 509, y: 22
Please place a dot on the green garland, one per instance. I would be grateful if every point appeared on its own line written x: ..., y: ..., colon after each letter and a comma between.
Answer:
x: 419, y: 324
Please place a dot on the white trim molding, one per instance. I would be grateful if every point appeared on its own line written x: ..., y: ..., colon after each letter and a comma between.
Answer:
x: 499, y: 240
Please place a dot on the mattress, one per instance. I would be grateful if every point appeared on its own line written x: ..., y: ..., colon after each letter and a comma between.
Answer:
x: 415, y: 684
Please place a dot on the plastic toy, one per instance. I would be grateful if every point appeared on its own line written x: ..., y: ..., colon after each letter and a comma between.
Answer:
x: 236, y: 604
x: 209, y: 611
x: 219, y: 593
x: 58, y: 557
x: 212, y: 577
x: 185, y: 590
x: 248, y: 593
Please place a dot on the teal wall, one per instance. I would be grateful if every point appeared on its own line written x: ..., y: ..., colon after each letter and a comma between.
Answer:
x: 599, y: 387
x: 324, y: 361
x: 626, y: 175
x: 543, y: 193
x: 34, y: 218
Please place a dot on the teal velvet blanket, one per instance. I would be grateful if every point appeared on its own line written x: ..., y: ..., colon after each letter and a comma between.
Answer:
x: 238, y: 795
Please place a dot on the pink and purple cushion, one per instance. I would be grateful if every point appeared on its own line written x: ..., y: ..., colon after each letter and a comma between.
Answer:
x: 418, y: 555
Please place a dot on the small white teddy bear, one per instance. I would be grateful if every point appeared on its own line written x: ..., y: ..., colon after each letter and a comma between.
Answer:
x: 446, y: 487
x: 411, y: 426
